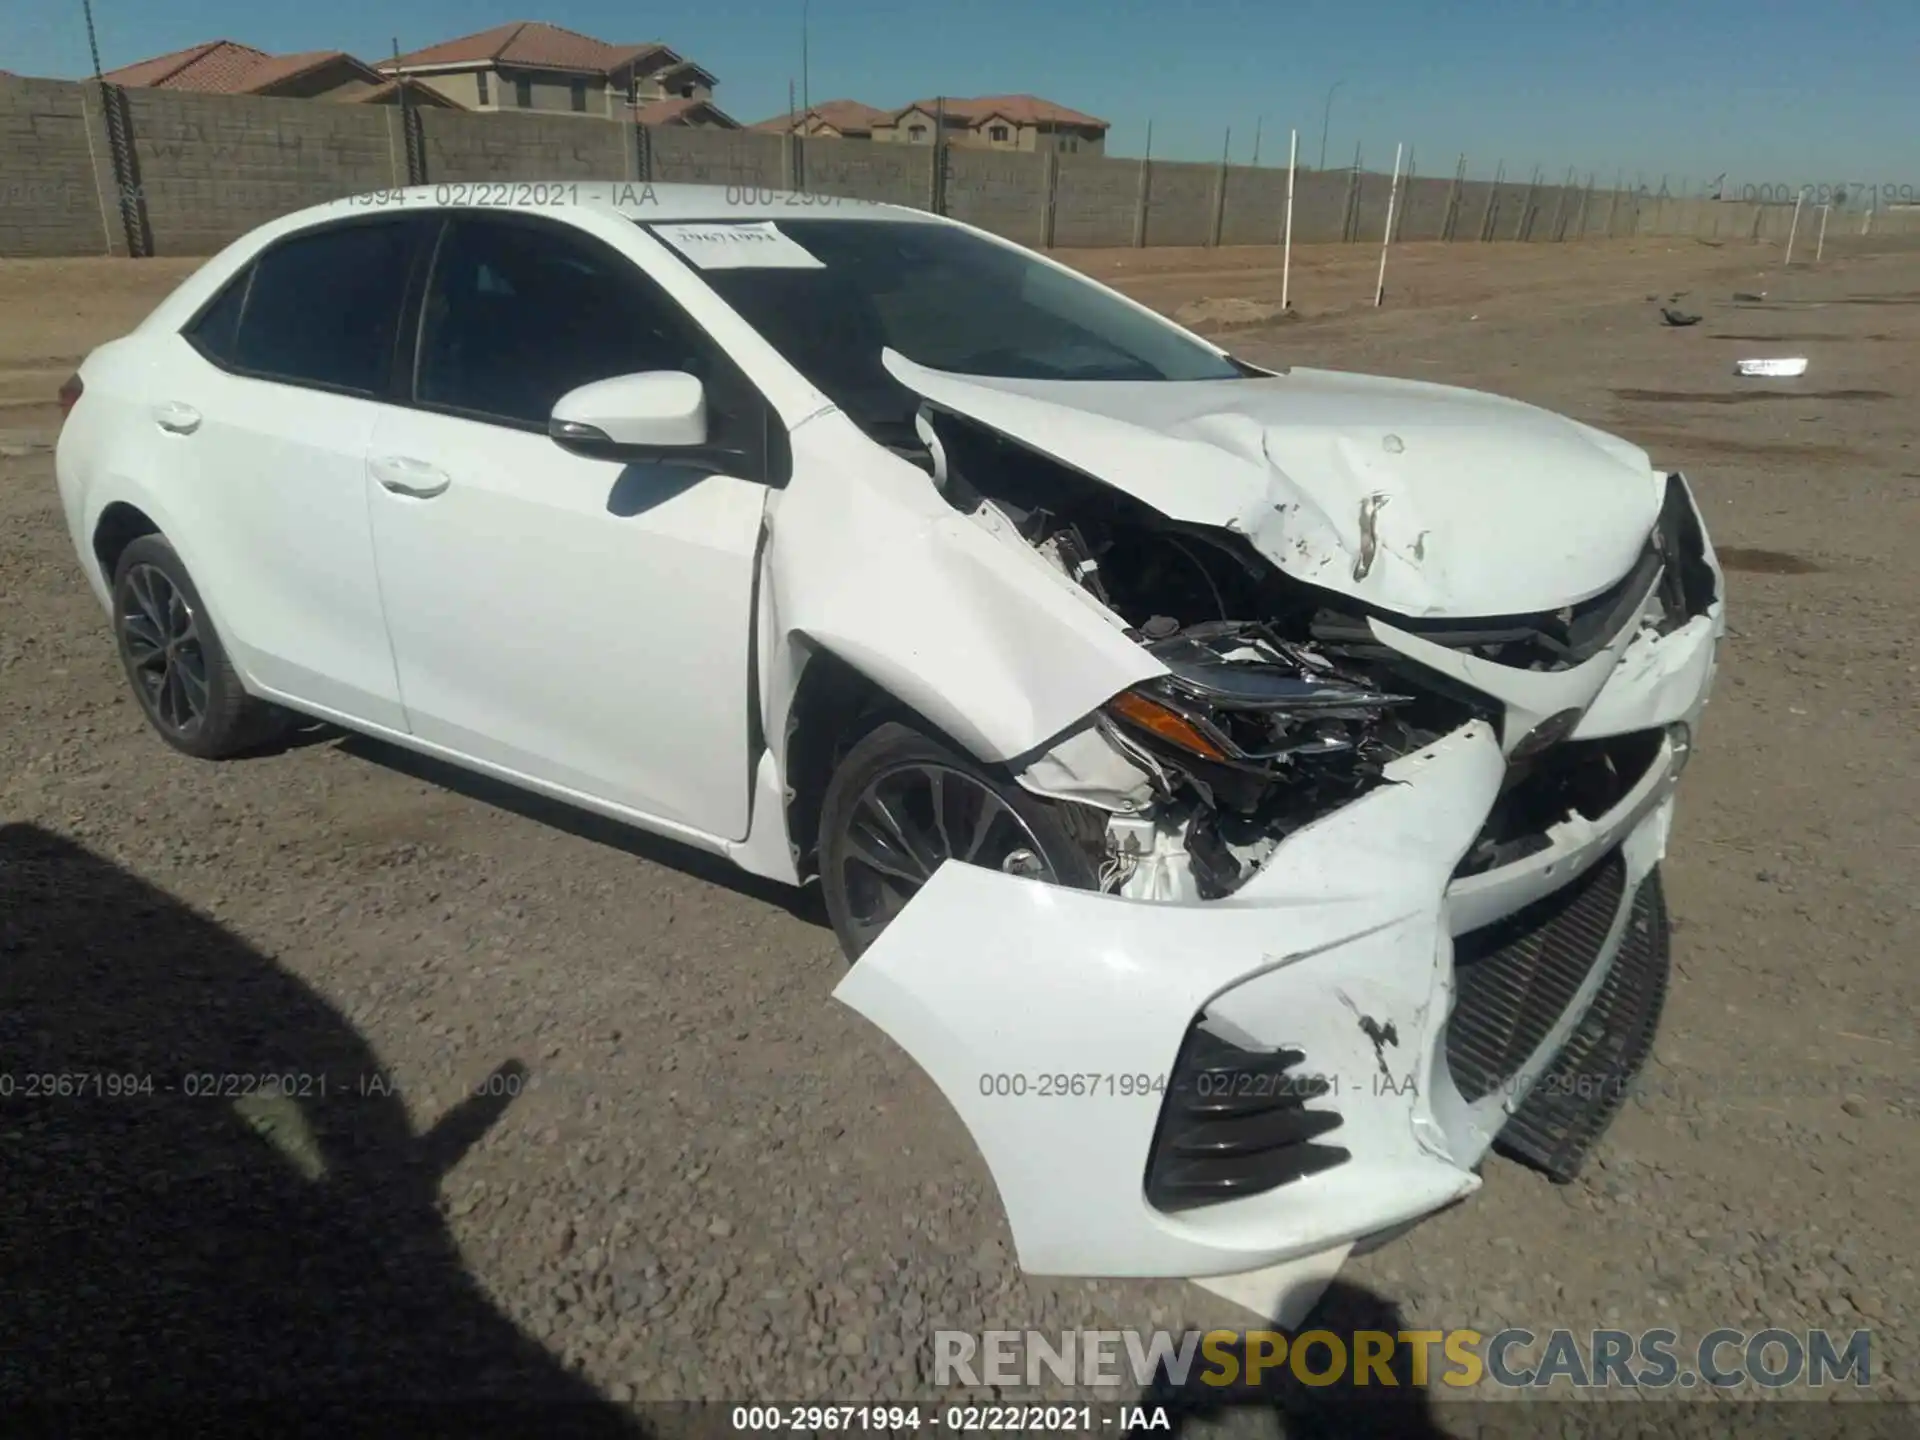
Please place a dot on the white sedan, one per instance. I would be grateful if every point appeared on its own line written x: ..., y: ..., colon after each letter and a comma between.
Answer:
x: 1307, y: 741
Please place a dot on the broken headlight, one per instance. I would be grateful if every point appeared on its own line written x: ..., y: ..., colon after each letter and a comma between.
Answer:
x: 1240, y: 696
x: 1248, y: 737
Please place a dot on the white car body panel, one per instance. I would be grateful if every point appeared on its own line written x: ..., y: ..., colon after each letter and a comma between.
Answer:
x: 358, y: 577
x: 267, y: 488
x: 1422, y: 499
x: 867, y: 561
x: 632, y: 598
x: 1352, y: 917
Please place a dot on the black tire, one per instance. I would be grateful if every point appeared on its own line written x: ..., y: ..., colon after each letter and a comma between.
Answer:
x: 890, y: 770
x: 181, y: 677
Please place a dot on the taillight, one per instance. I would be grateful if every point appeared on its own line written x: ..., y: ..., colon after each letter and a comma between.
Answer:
x: 70, y: 394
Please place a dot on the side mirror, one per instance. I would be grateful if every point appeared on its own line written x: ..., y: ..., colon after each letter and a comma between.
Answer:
x: 630, y: 415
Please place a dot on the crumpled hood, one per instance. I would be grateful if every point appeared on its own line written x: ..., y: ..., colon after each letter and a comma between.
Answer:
x: 1422, y: 499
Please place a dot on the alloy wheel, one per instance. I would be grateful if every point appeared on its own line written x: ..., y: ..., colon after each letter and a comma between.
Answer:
x: 911, y: 818
x: 162, y: 639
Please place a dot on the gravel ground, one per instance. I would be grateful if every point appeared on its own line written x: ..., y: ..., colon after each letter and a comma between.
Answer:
x: 578, y: 1118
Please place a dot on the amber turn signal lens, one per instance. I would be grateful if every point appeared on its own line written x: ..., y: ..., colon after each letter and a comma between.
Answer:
x: 1145, y: 713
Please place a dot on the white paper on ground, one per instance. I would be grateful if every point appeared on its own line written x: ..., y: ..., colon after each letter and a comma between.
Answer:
x: 1784, y: 367
x: 747, y: 245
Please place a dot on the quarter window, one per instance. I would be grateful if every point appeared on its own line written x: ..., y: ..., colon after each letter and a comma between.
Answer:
x: 218, y: 327
x: 319, y: 309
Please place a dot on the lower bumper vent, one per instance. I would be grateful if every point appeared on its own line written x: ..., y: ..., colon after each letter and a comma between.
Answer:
x: 1235, y: 1122
x: 1514, y: 979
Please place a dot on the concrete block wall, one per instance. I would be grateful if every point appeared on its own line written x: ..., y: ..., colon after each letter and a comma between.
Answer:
x: 891, y: 174
x: 57, y: 192
x: 469, y: 147
x: 206, y: 168
x: 1001, y: 192
x: 1422, y: 211
x: 1095, y: 200
x: 209, y: 172
x: 1179, y: 204
x: 716, y: 157
x: 1319, y: 206
x: 1255, y: 206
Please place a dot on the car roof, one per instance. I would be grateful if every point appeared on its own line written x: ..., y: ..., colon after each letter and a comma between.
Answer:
x: 626, y: 201
x: 640, y: 200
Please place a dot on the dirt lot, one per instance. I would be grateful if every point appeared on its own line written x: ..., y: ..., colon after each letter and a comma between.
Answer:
x: 692, y: 1174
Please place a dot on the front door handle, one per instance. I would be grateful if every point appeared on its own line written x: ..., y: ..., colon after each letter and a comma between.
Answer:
x: 400, y: 475
x: 175, y: 418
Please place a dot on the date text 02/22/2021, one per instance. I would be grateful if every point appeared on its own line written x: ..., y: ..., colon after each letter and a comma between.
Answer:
x: 953, y: 1419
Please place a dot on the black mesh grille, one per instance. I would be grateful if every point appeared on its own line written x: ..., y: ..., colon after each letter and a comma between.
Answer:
x: 1514, y: 979
x: 1569, y: 1109
x: 1235, y: 1122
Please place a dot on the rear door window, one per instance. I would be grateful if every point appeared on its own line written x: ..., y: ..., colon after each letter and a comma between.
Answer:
x: 320, y: 309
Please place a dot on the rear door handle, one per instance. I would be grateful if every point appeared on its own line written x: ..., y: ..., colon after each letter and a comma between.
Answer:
x: 175, y: 418
x: 400, y: 475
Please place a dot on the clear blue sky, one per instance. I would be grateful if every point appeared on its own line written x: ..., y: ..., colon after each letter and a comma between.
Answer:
x: 1775, y: 91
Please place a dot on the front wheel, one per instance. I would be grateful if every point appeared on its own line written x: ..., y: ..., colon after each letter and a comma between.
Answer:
x: 902, y: 802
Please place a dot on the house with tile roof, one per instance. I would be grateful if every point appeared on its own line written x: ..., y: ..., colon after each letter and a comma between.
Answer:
x: 532, y: 67
x: 986, y: 122
x: 226, y: 67
x: 831, y: 119
x: 995, y: 122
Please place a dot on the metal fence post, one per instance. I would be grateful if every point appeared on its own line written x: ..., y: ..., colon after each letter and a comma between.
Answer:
x: 1406, y: 188
x: 1049, y: 191
x: 1493, y: 203
x: 642, y: 153
x: 1452, y: 211
x: 1144, y: 194
x: 1555, y: 231
x: 126, y: 170
x: 937, y: 200
x: 1524, y: 225
x: 1350, y: 205
x: 1220, y: 194
x: 414, y: 129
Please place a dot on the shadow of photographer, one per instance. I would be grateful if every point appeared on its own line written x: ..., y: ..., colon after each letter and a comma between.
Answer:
x: 210, y: 1195
x: 1343, y: 1408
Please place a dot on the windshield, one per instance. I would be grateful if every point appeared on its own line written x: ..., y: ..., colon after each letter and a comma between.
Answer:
x: 949, y: 300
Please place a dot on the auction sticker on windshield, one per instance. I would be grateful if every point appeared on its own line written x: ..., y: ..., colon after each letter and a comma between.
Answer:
x: 749, y: 245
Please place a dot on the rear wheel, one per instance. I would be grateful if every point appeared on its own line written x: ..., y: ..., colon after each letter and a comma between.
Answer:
x: 902, y: 802
x: 181, y: 676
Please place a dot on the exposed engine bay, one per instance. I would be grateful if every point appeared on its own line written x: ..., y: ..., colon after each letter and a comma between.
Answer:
x: 1276, y: 708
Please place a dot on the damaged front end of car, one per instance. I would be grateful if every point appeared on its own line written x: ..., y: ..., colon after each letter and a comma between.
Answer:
x: 1254, y: 725
x: 1369, y: 879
